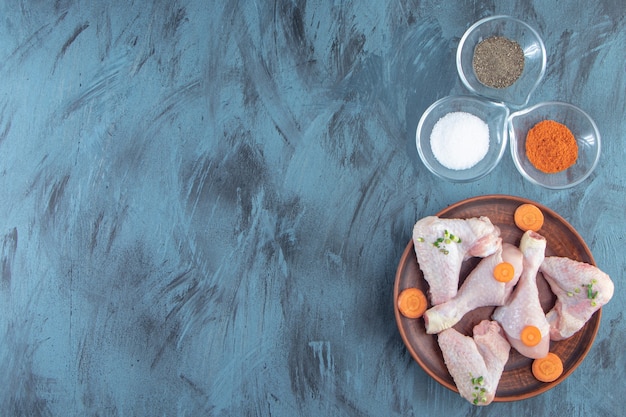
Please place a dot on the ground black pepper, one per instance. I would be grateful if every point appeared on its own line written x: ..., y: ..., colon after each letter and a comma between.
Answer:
x: 498, y: 62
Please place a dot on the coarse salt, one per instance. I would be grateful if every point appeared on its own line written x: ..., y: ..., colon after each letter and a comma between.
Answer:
x: 459, y: 140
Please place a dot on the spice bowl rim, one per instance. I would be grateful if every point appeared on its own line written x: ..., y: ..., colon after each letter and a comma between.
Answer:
x: 495, y: 151
x: 521, y: 93
x: 573, y: 175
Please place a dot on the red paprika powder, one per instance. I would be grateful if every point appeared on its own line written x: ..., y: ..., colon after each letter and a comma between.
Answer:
x: 551, y: 147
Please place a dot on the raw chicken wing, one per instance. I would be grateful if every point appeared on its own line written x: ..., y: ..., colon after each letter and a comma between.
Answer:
x: 476, y: 364
x: 524, y: 308
x: 479, y: 289
x: 441, y: 246
x: 581, y: 289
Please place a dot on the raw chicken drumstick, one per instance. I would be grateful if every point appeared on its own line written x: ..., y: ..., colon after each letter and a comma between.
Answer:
x: 476, y: 364
x: 441, y: 246
x: 479, y: 289
x: 581, y: 289
x: 522, y: 317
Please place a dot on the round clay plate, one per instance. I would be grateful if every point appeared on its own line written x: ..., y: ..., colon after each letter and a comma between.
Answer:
x: 517, y: 381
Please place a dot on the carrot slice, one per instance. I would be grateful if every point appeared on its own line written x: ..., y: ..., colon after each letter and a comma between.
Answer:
x: 528, y: 217
x: 547, y: 369
x: 503, y: 272
x: 412, y: 303
x: 530, y: 336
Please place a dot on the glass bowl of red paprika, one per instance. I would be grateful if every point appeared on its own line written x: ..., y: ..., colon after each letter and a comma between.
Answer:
x: 462, y: 138
x: 501, y: 58
x: 553, y: 144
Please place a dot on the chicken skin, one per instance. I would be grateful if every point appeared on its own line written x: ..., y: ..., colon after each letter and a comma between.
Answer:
x: 523, y: 310
x: 581, y: 289
x: 441, y: 246
x: 479, y: 289
x: 476, y: 363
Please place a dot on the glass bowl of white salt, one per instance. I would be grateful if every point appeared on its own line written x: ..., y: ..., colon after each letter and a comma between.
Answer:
x: 501, y: 58
x: 462, y: 138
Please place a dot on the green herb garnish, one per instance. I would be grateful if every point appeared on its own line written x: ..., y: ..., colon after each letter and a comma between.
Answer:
x: 591, y: 294
x: 447, y: 239
x: 480, y: 392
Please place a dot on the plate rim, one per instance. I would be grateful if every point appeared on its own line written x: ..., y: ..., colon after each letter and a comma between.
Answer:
x: 410, y: 248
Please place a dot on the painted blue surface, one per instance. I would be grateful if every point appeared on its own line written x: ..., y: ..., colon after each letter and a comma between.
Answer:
x: 204, y: 203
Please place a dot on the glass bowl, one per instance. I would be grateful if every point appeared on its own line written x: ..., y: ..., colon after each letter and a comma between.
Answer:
x: 517, y: 94
x: 580, y: 124
x: 493, y: 114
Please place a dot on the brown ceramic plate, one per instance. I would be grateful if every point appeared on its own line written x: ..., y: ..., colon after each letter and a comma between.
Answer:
x: 517, y: 381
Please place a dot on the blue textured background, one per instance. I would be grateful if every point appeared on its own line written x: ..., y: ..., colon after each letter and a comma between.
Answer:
x: 204, y: 203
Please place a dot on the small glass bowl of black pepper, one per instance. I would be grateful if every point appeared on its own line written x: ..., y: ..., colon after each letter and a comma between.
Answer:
x: 501, y: 58
x: 462, y: 138
x: 542, y: 157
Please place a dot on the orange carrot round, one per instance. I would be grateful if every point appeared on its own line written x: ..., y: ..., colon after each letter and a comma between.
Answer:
x: 503, y: 272
x: 547, y: 369
x: 528, y: 217
x: 412, y: 303
x: 530, y: 336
